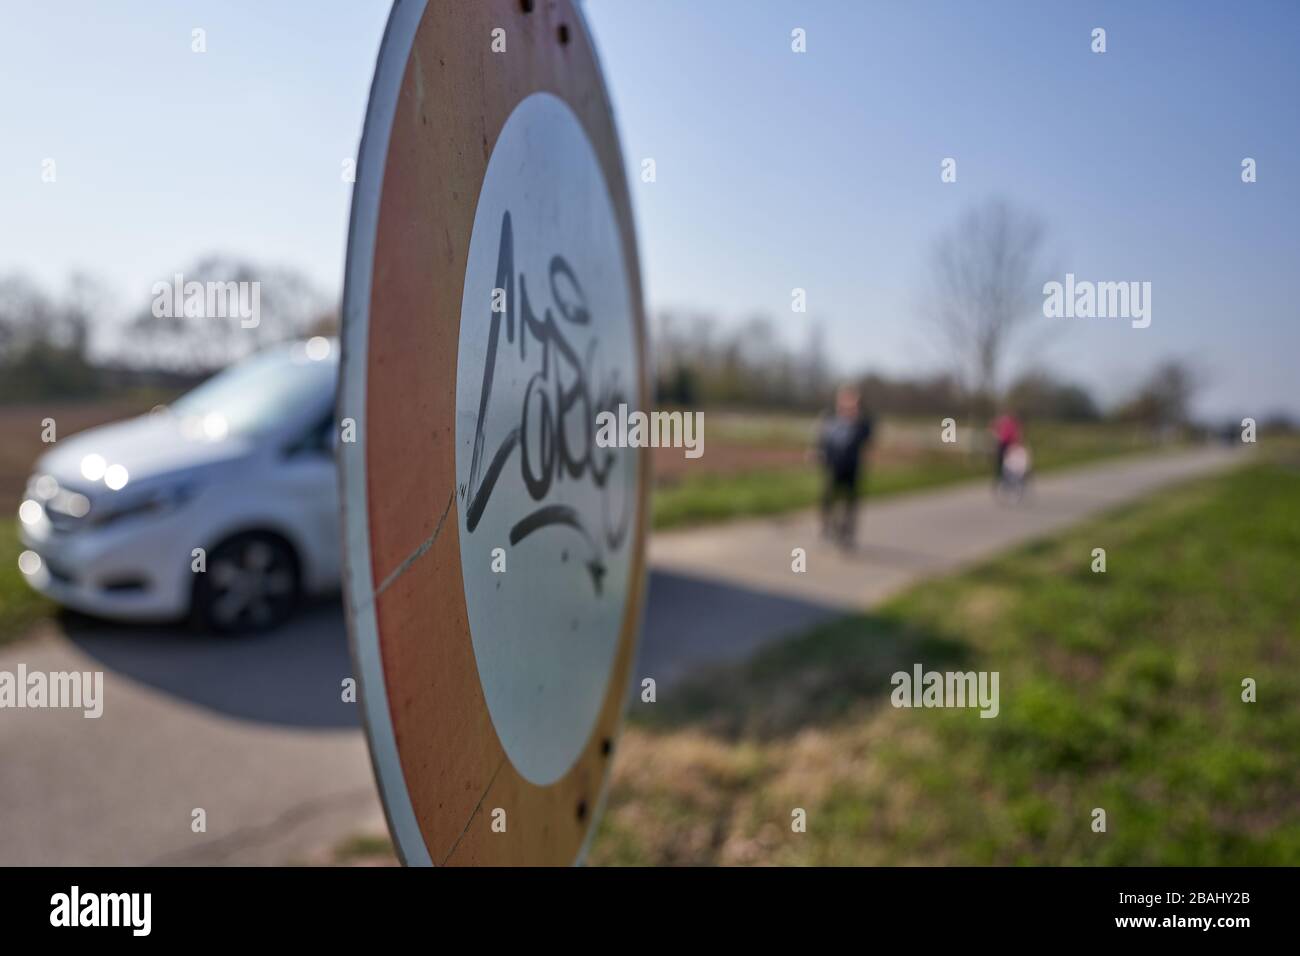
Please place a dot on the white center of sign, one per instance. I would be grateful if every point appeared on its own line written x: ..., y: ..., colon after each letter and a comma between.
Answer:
x: 547, y: 341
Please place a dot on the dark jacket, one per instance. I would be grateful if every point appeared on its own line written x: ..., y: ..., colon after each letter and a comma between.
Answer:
x: 840, y: 445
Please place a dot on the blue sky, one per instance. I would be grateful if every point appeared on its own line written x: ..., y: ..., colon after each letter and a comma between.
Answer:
x: 775, y: 170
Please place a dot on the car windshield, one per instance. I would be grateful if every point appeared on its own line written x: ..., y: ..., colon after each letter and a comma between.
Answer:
x: 259, y: 393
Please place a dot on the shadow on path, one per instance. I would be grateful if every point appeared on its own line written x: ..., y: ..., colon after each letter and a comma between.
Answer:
x: 293, y: 676
x: 809, y: 679
x: 692, y: 624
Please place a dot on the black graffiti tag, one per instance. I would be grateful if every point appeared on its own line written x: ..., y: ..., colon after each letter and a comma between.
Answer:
x: 557, y: 398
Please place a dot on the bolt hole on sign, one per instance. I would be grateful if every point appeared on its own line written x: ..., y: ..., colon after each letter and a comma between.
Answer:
x: 494, y: 555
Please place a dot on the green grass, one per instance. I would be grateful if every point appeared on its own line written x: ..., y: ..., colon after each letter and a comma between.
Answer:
x: 1119, y: 690
x: 365, y: 848
x: 708, y: 497
x: 20, y: 606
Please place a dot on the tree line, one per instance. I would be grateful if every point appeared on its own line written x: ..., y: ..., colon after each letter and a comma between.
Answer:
x: 66, y: 343
x: 982, y: 287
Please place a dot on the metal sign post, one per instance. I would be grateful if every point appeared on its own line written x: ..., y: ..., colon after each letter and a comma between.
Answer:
x: 495, y: 556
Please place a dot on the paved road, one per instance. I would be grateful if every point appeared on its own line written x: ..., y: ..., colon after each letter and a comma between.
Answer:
x: 254, y: 732
x: 745, y: 567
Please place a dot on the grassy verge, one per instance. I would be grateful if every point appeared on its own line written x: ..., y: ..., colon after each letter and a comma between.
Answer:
x: 20, y: 606
x: 697, y: 499
x: 1119, y: 691
x: 365, y: 849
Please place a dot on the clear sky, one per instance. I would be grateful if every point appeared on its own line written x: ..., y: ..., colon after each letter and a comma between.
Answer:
x: 775, y: 170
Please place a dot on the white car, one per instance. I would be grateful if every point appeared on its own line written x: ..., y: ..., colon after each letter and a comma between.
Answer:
x: 222, y: 506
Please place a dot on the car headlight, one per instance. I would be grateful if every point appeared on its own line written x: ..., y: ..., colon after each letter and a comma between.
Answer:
x: 41, y: 487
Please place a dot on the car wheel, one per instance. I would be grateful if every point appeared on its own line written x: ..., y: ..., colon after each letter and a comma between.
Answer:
x: 251, y: 584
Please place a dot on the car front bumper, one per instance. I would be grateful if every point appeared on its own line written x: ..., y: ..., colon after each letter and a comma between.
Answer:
x: 129, y: 573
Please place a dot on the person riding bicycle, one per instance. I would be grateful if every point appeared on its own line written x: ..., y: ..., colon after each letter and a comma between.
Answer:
x: 1012, y: 463
x: 1006, y: 432
x: 840, y: 444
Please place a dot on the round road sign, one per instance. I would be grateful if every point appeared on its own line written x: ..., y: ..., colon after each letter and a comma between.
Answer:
x: 494, y: 553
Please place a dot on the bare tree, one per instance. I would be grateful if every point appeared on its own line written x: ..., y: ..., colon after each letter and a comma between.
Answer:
x: 43, y: 339
x: 290, y: 307
x: 1164, y: 399
x: 986, y: 281
x: 29, y: 316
